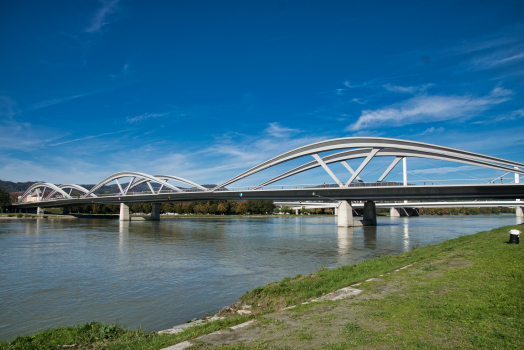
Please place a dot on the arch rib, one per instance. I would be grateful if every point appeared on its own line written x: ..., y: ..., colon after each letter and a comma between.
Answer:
x: 175, y: 178
x: 387, y: 152
x: 44, y: 185
x: 372, y: 142
x: 122, y: 174
x: 75, y: 187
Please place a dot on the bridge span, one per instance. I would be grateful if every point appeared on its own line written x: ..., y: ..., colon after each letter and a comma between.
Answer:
x: 355, y: 189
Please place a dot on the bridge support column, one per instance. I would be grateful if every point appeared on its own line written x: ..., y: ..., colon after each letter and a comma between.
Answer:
x: 394, y: 212
x: 345, y: 214
x: 155, y: 211
x: 39, y: 211
x: 518, y: 210
x: 296, y: 211
x: 65, y: 210
x: 370, y: 214
x: 336, y: 211
x: 124, y: 212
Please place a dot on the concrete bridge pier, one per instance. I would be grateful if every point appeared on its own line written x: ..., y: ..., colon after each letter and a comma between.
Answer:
x: 124, y: 212
x: 155, y: 211
x: 394, y: 212
x: 370, y: 214
x: 345, y: 214
x: 518, y: 210
x: 398, y: 212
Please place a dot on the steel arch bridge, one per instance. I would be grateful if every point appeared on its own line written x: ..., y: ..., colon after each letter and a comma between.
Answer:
x: 365, y: 148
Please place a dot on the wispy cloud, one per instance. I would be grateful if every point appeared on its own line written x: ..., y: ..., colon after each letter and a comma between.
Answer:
x: 123, y: 72
x: 145, y: 116
x: 359, y: 101
x: 100, y: 17
x: 276, y: 130
x: 90, y: 137
x: 499, y: 58
x: 56, y: 101
x: 425, y: 109
x: 8, y: 107
x: 407, y: 89
x: 511, y: 116
x: 432, y: 130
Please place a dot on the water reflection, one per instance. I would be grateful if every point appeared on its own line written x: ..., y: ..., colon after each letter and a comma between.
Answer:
x: 344, y: 239
x: 370, y: 237
x: 406, y: 233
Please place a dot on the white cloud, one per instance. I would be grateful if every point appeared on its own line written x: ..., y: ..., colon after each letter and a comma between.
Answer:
x: 90, y: 137
x: 512, y: 116
x: 426, y: 109
x: 8, y: 107
x: 359, y: 101
x: 99, y: 19
x: 498, y: 58
x: 123, y: 72
x: 432, y: 130
x: 276, y: 130
x: 144, y: 116
x: 407, y: 89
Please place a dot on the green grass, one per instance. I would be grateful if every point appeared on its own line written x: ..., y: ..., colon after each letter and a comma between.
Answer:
x: 96, y: 335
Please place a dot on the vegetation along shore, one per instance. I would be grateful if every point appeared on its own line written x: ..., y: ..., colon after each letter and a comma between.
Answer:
x: 462, y: 293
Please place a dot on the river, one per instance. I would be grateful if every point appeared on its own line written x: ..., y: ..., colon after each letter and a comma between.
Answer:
x: 156, y: 275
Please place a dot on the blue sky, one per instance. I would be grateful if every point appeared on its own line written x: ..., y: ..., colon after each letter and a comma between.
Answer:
x: 206, y: 89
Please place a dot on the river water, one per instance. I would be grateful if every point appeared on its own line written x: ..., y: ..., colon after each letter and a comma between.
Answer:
x: 156, y: 275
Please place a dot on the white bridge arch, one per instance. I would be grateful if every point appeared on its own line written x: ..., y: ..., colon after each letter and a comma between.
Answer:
x: 353, y: 148
x: 368, y: 148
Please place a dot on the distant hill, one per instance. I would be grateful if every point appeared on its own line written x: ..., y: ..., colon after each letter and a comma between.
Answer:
x: 15, y: 186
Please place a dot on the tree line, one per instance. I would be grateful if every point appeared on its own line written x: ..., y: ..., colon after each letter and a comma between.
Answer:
x: 229, y: 207
x: 466, y: 211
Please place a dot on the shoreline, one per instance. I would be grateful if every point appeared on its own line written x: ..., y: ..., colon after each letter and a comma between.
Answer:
x: 280, y: 296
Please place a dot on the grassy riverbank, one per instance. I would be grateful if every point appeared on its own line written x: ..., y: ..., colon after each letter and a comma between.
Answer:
x: 462, y: 293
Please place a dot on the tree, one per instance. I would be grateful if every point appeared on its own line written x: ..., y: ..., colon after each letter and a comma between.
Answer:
x: 241, y: 208
x: 285, y: 209
x: 213, y: 209
x: 5, y: 199
x: 221, y: 208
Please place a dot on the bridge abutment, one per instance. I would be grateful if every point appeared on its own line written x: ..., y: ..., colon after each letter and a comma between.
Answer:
x: 124, y: 212
x: 155, y: 211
